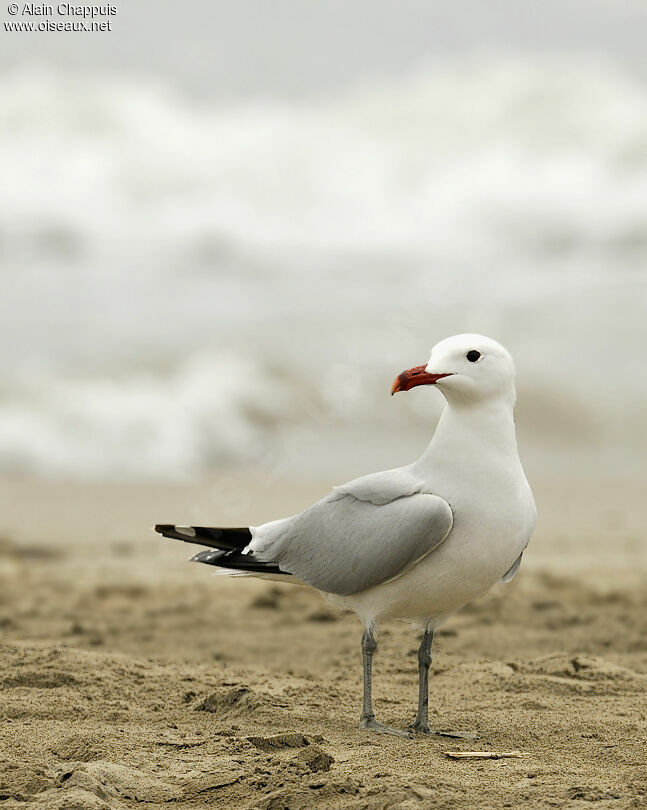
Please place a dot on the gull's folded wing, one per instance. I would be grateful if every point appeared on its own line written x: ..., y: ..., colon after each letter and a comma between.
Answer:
x: 345, y: 544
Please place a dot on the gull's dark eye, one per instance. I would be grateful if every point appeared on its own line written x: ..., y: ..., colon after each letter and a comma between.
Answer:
x: 473, y: 355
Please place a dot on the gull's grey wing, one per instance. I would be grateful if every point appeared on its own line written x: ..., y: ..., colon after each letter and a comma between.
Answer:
x: 512, y: 571
x: 344, y: 545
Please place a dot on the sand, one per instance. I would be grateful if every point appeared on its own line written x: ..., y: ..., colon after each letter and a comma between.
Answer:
x: 132, y: 679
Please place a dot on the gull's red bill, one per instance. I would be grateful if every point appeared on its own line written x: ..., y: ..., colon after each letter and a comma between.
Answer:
x: 415, y: 376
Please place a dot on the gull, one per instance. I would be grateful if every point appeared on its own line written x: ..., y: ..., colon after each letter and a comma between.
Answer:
x: 417, y: 542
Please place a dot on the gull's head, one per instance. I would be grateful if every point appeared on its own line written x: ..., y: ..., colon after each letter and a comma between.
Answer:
x: 465, y: 368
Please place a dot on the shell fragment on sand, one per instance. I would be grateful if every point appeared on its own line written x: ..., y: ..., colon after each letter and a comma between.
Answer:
x: 485, y: 754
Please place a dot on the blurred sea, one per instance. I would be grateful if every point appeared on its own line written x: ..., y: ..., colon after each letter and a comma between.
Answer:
x: 192, y: 282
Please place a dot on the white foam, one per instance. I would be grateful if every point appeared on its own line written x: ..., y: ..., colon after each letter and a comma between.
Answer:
x: 153, y: 245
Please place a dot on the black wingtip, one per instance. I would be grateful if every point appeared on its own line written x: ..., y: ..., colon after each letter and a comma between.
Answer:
x: 230, y: 539
x: 209, y: 556
x: 225, y: 546
x: 186, y: 533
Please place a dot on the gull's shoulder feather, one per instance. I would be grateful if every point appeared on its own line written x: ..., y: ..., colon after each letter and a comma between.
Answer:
x: 382, y: 487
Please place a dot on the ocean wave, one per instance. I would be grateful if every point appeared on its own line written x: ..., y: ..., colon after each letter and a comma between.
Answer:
x: 549, y: 153
x: 152, y: 244
x: 212, y: 410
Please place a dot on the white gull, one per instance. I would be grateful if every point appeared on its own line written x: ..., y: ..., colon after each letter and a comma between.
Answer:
x: 416, y: 542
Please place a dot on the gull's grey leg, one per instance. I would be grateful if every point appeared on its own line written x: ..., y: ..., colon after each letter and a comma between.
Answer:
x: 421, y: 723
x: 369, y: 645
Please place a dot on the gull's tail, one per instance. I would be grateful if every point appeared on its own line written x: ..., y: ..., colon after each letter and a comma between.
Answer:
x: 225, y: 548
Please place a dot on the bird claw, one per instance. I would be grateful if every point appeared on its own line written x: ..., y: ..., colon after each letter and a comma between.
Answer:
x: 418, y: 727
x: 371, y: 724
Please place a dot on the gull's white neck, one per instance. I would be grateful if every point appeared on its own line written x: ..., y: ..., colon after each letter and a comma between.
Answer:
x: 471, y: 432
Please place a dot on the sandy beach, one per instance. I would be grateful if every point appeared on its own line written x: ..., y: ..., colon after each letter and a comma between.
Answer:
x: 131, y: 678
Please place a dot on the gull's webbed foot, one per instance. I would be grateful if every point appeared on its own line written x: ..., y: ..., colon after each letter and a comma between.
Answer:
x: 420, y: 727
x: 371, y: 724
